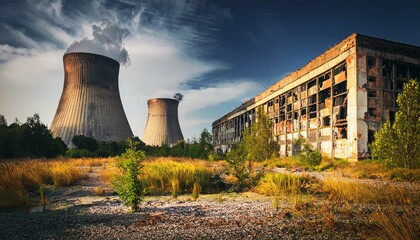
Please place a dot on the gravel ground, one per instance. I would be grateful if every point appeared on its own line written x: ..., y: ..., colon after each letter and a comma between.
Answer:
x: 76, y: 213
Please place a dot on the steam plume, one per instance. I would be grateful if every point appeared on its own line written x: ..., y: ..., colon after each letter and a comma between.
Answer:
x: 106, y: 41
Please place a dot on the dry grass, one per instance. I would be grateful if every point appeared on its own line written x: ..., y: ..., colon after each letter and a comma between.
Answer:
x: 377, y: 170
x: 276, y: 184
x: 19, y: 177
x: 398, y: 225
x: 161, y: 174
x: 91, y: 162
x: 344, y: 189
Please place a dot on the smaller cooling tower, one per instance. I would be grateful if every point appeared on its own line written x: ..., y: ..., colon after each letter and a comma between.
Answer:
x: 162, y: 122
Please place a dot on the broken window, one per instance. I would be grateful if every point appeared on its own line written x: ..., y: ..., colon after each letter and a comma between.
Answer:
x: 326, y: 121
x: 371, y: 82
x: 392, y: 116
x: 340, y: 88
x: 401, y: 70
x: 414, y: 73
x: 371, y: 63
x: 372, y: 112
x: 399, y: 85
x: 372, y: 93
x: 387, y: 69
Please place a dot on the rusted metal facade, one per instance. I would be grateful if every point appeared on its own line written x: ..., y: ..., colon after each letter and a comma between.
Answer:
x: 90, y: 103
x: 162, y: 125
x: 337, y: 101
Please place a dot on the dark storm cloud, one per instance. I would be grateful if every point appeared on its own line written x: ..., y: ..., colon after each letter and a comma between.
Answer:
x: 44, y: 23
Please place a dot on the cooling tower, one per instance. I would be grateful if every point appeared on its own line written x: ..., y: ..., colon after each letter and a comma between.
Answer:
x: 90, y: 103
x: 162, y: 122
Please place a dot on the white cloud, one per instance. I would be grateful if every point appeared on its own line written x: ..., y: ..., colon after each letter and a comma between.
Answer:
x: 159, y: 68
x: 31, y: 78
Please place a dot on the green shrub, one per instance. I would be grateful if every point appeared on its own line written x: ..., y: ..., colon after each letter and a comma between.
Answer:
x: 78, y: 153
x: 128, y: 185
x: 304, y: 152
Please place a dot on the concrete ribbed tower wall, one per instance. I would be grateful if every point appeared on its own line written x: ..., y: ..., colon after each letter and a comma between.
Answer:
x: 162, y: 122
x: 90, y: 103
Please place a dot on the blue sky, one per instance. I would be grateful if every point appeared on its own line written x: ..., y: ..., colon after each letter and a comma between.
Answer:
x: 217, y: 53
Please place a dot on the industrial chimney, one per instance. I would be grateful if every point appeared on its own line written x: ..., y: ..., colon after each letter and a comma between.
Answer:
x: 162, y: 122
x: 90, y: 104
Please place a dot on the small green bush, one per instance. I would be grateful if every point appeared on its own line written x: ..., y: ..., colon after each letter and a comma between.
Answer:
x: 128, y: 185
x: 78, y: 153
x: 304, y: 152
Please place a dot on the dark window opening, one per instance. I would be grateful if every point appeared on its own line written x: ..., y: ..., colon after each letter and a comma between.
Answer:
x: 402, y: 71
x: 399, y: 85
x: 326, y: 121
x: 392, y: 116
x: 340, y: 88
x: 371, y: 135
x: 387, y: 69
x: 371, y: 82
x: 372, y: 112
x: 371, y: 65
x: 414, y: 73
x: 372, y: 94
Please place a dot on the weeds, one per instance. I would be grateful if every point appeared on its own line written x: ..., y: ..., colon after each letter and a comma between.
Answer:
x: 20, y: 177
x: 340, y: 189
x: 398, y: 226
x: 196, y: 190
x: 282, y: 184
x: 176, y: 175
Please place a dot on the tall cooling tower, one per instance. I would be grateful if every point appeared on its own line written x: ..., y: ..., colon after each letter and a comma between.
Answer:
x: 90, y: 104
x: 162, y: 122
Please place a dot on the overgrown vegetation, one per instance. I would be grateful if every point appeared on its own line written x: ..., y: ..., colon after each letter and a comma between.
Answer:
x: 18, y: 179
x: 276, y: 184
x: 399, y: 143
x: 176, y: 176
x: 305, y: 152
x: 127, y: 184
x: 257, y: 145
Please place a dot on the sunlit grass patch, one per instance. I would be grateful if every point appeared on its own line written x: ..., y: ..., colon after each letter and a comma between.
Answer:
x: 398, y: 225
x: 343, y: 189
x: 160, y: 174
x: 276, y: 184
x: 17, y: 178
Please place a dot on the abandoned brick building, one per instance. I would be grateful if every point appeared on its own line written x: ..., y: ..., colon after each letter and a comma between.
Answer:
x: 337, y: 101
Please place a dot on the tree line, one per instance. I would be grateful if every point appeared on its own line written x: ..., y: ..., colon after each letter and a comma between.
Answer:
x: 33, y: 139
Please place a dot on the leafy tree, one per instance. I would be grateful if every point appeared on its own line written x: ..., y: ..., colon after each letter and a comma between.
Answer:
x: 257, y: 145
x: 258, y: 139
x: 83, y: 142
x: 238, y: 159
x: 399, y: 143
x: 128, y: 185
x: 205, y: 144
x: 31, y: 139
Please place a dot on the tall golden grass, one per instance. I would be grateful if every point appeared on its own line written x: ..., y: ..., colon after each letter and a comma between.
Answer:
x: 19, y: 177
x: 351, y: 190
x: 166, y: 175
x: 398, y: 225
x: 276, y: 184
